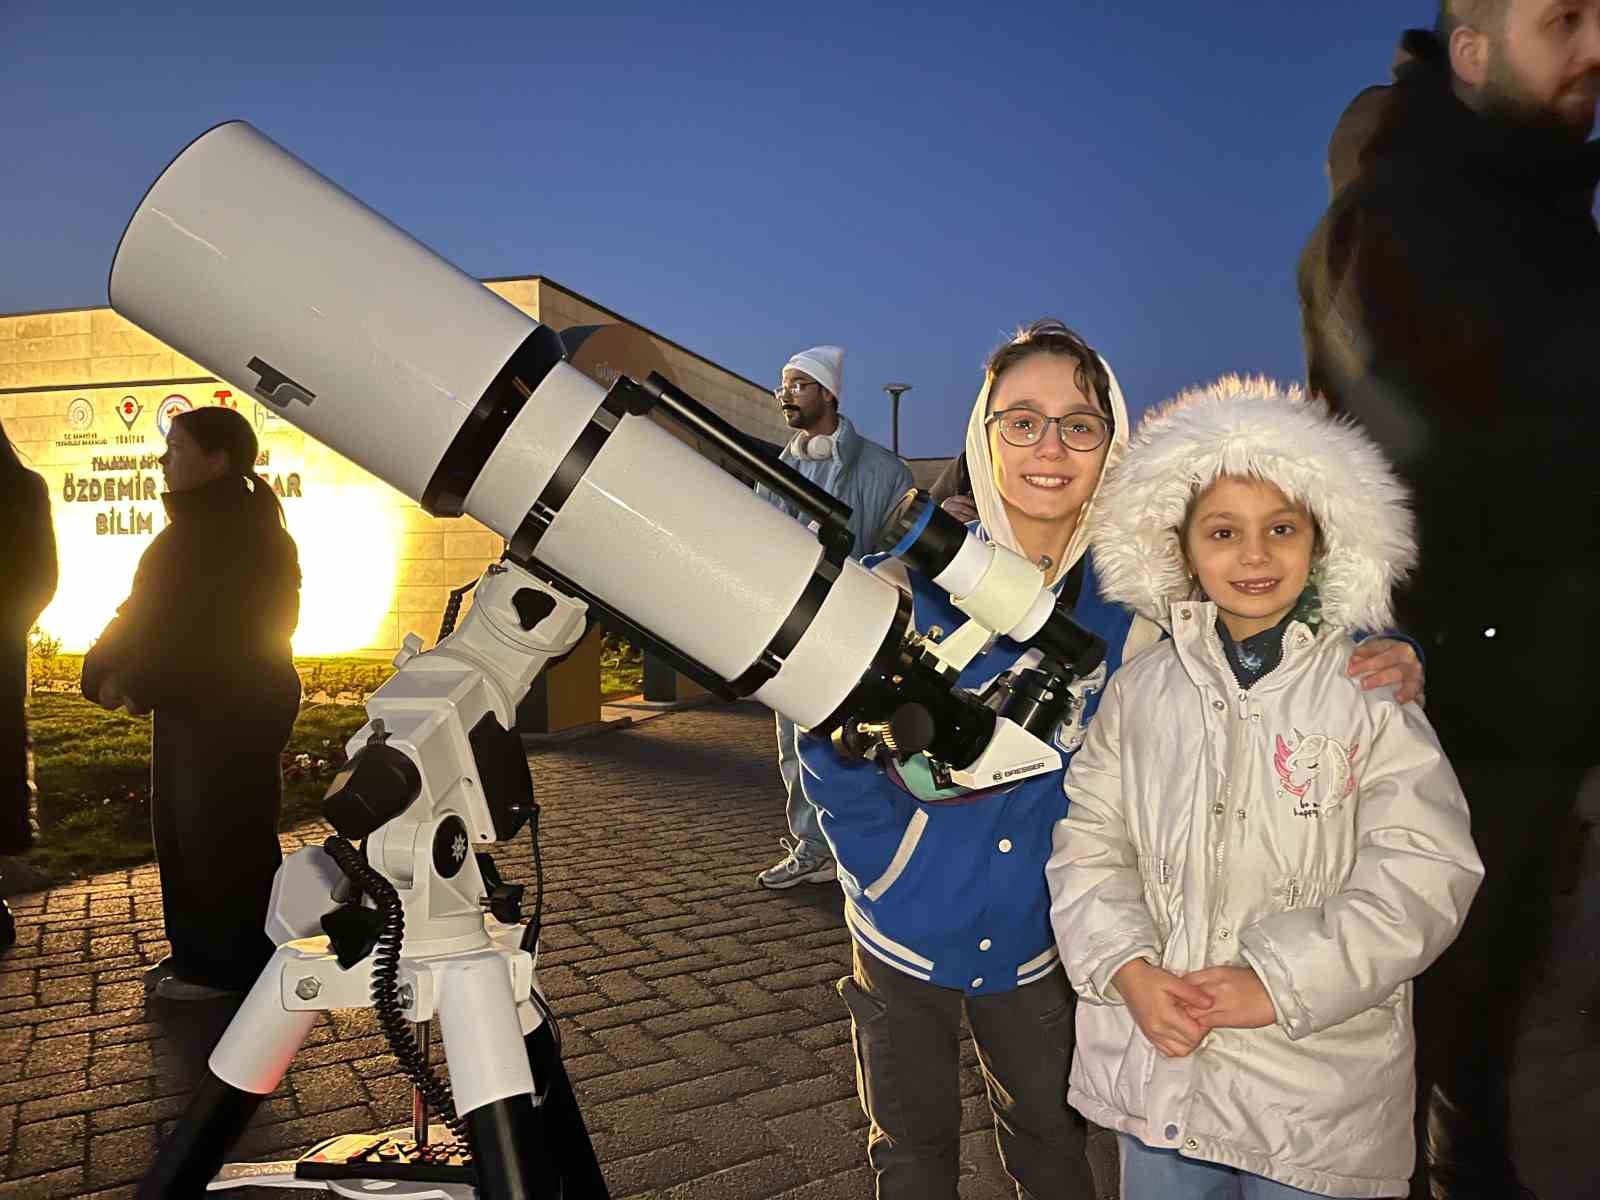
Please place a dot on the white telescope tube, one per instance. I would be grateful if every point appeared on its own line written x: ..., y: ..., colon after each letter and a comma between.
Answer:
x: 267, y: 274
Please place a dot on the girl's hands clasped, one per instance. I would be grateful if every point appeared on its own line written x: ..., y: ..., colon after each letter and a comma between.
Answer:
x: 1176, y: 1012
x: 1164, y: 1006
x: 1239, y: 999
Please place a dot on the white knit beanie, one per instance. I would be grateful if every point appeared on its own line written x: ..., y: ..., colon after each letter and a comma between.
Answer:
x: 825, y: 364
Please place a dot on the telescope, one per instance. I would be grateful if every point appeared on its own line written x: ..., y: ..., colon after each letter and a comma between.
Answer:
x: 246, y: 260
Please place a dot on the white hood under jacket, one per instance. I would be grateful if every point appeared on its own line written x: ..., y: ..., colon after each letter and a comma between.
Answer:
x: 1302, y: 827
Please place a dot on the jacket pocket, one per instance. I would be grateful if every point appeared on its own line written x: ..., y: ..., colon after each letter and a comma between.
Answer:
x: 1059, y: 1026
x: 1156, y: 873
x: 902, y: 856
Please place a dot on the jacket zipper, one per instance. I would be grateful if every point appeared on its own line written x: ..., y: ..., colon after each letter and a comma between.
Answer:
x: 1227, y: 799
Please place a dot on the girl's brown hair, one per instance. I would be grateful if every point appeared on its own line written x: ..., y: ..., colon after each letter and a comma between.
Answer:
x: 1050, y: 336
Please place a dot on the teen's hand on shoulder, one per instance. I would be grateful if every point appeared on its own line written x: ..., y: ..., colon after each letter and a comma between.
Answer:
x: 1239, y: 999
x: 961, y: 508
x: 1163, y: 1006
x: 1379, y: 662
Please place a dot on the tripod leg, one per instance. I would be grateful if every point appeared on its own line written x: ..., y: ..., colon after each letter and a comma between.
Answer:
x: 563, y: 1123
x: 246, y: 1066
x: 493, y: 1082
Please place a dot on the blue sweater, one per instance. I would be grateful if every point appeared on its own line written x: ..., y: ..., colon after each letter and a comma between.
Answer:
x: 954, y: 892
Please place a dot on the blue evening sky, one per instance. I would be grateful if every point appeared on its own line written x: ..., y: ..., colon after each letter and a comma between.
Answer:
x: 749, y: 179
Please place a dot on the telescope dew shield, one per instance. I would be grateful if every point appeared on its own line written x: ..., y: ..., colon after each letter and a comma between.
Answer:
x: 244, y: 259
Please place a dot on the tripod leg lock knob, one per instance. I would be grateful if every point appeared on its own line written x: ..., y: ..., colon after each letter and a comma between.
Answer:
x: 504, y: 899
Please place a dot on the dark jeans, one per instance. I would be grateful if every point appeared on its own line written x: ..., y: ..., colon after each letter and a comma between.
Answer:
x: 1468, y: 1004
x: 215, y: 794
x: 907, y: 1036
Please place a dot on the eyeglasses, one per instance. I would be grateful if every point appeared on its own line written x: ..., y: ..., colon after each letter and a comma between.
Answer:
x: 793, y: 387
x: 1080, y: 431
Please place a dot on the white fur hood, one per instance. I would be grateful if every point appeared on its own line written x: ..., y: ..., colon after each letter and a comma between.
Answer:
x: 1250, y: 427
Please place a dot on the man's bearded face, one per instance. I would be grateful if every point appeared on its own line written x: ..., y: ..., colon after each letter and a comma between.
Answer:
x: 1543, y: 68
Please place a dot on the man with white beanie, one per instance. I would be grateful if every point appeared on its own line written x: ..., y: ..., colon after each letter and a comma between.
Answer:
x: 826, y: 449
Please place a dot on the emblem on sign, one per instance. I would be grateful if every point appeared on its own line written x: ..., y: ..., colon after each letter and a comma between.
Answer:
x: 129, y: 408
x: 171, y: 407
x: 80, y: 415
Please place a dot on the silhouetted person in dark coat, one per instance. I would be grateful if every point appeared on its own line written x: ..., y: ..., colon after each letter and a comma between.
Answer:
x: 1451, y: 298
x: 27, y: 581
x: 203, y: 642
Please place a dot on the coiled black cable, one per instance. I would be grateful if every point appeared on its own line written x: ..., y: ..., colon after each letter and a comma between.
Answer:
x: 531, y: 931
x: 385, y: 982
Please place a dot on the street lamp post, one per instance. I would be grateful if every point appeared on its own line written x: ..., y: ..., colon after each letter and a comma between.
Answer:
x: 895, y: 390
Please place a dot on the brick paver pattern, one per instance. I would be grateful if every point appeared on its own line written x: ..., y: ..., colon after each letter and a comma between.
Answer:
x: 709, y: 1049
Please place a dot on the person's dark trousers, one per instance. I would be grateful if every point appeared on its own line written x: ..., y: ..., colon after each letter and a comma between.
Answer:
x: 1468, y: 1004
x: 16, y: 785
x: 907, y: 1036
x: 215, y: 791
x: 1105, y: 1161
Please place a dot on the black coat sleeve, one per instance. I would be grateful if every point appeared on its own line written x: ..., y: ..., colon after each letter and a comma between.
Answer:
x: 133, y: 645
x: 1399, y: 329
x: 29, y: 545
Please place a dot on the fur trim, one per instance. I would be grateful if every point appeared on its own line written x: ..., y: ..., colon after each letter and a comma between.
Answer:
x: 1250, y: 427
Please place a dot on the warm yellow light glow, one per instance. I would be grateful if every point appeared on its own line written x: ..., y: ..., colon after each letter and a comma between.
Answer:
x: 348, y: 540
x: 349, y: 544
x: 96, y: 573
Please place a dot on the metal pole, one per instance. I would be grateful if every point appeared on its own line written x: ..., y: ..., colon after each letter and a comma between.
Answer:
x: 895, y: 390
x: 419, y: 1102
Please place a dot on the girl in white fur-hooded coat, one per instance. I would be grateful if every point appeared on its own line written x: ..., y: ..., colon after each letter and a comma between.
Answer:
x: 1247, y: 881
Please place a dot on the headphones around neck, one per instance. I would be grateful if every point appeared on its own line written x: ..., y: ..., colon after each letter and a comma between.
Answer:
x: 818, y: 446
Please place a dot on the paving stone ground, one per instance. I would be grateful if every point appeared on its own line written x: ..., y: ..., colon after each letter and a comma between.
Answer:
x: 708, y: 1047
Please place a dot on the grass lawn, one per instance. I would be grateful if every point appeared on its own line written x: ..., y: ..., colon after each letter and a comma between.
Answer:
x: 92, y: 769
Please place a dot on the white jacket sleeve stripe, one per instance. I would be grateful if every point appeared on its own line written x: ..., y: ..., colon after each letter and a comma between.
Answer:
x: 886, y: 948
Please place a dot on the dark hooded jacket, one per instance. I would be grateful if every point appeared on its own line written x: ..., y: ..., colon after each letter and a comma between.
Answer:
x: 1451, y: 303
x: 204, y: 633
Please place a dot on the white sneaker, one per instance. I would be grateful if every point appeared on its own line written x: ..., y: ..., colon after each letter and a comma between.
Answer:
x: 798, y: 866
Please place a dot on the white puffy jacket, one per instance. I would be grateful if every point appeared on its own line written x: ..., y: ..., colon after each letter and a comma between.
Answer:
x: 1305, y: 828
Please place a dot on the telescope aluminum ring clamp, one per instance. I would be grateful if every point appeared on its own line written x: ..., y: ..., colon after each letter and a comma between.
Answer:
x: 627, y: 397
x: 480, y: 433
